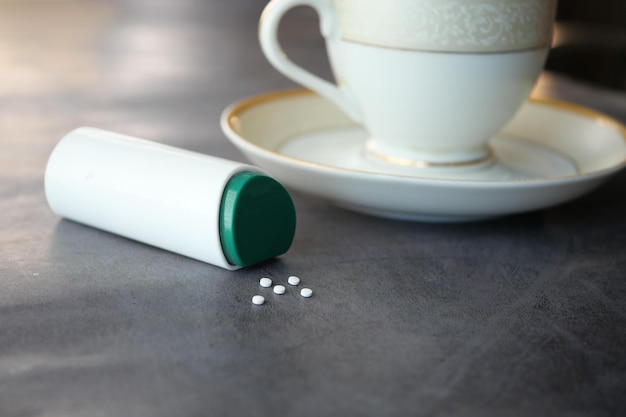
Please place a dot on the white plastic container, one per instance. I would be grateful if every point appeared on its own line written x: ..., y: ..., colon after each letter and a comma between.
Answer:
x: 222, y: 212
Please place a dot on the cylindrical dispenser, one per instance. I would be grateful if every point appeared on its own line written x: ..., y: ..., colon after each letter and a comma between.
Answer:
x: 218, y: 211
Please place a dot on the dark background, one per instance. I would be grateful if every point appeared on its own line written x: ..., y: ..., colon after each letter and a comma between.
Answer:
x: 591, y: 42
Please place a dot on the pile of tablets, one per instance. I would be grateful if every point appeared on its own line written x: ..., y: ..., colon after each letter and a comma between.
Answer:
x: 280, y: 289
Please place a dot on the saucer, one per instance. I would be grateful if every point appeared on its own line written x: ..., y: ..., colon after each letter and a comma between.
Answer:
x: 549, y: 153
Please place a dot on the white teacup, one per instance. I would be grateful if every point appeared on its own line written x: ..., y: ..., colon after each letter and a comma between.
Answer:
x: 431, y: 80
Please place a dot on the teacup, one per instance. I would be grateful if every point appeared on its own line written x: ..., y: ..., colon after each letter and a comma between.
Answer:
x: 431, y: 80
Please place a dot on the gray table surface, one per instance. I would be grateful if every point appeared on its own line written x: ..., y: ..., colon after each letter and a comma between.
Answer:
x: 518, y: 316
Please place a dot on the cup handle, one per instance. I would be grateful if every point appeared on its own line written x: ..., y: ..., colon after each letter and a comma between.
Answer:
x: 268, y: 37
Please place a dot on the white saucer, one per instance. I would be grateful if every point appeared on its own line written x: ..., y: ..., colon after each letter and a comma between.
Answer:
x: 551, y: 152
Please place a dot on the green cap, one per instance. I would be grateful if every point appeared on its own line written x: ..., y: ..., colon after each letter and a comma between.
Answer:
x: 257, y: 219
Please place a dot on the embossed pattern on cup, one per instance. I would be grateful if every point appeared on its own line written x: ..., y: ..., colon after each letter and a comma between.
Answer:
x: 447, y: 25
